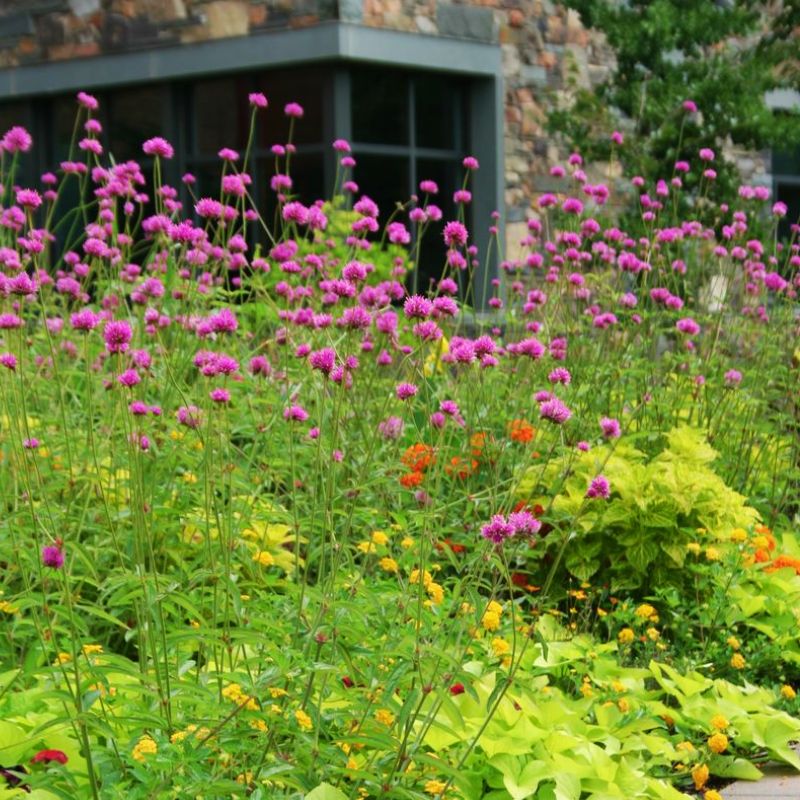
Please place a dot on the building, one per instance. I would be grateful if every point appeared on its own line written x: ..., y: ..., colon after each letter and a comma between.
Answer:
x: 413, y: 84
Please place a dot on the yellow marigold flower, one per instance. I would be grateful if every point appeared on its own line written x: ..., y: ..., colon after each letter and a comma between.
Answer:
x: 388, y: 564
x: 367, y: 547
x: 719, y: 722
x: 434, y: 787
x: 490, y: 620
x: 645, y: 611
x: 413, y: 578
x: 91, y: 649
x: 718, y: 743
x: 146, y: 746
x: 380, y: 538
x: 760, y: 542
x: 623, y: 705
x: 712, y: 794
x: 586, y: 688
x: 712, y: 554
x: 276, y: 691
x: 232, y: 692
x: 618, y: 686
x: 737, y: 661
x: 733, y: 642
x: 700, y: 776
x: 626, y: 636
x: 436, y: 592
x: 384, y: 716
x: 406, y: 542
x: 653, y: 634
x: 686, y: 746
x: 693, y: 547
x: 62, y: 658
x: 259, y: 725
x: 738, y: 535
x: 466, y: 608
x: 500, y: 646
x: 351, y: 763
x: 494, y: 607
x: 303, y: 720
x: 178, y: 736
x: 264, y: 558
x: 788, y: 692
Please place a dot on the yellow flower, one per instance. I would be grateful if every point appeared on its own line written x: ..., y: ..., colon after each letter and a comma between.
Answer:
x: 7, y: 608
x: 693, y: 547
x: 384, y: 716
x: 718, y: 743
x: 406, y: 542
x: 645, y: 611
x: 146, y: 746
x: 178, y: 736
x: 490, y: 620
x: 388, y: 564
x: 618, y: 686
x: 259, y: 725
x: 760, y: 542
x: 264, y: 558
x: 276, y: 691
x: 303, y: 720
x: 623, y: 705
x: 434, y: 787
x: 712, y: 554
x: 500, y: 646
x: 719, y: 722
x: 733, y: 642
x: 738, y: 535
x: 626, y: 636
x: 686, y: 746
x: 652, y: 634
x: 737, y: 661
x: 712, y: 794
x: 494, y: 607
x: 413, y: 578
x: 380, y: 538
x: 436, y: 592
x: 788, y: 692
x: 586, y: 688
x: 245, y: 777
x: 91, y: 649
x: 366, y: 547
x: 700, y: 776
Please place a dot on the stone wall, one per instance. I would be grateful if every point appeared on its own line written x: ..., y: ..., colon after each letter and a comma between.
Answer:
x: 544, y: 47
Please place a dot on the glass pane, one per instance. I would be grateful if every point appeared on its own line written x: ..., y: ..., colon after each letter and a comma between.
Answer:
x: 63, y: 111
x: 135, y: 115
x: 433, y: 251
x: 379, y: 103
x: 309, y: 88
x: 221, y: 114
x: 786, y: 162
x: 385, y: 179
x: 437, y: 103
x: 20, y: 113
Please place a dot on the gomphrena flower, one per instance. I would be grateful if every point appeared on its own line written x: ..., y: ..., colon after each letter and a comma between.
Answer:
x: 555, y: 411
x: 189, y: 416
x: 8, y: 360
x: 599, y: 488
x: 688, y: 325
x: 52, y: 556
x: 560, y: 375
x: 733, y: 377
x: 391, y: 428
x: 117, y: 335
x: 158, y: 146
x: 295, y: 413
x: 610, y: 427
x: 257, y: 100
x: 404, y: 391
x: 455, y: 234
x: 498, y: 529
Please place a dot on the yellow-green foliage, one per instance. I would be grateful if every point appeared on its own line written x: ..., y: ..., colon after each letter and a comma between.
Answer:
x: 655, y: 508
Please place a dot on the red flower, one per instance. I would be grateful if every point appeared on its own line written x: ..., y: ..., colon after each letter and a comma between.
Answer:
x: 457, y: 688
x: 46, y: 756
x: 347, y: 682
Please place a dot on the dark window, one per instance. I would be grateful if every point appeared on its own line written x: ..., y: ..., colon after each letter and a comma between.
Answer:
x: 132, y: 117
x: 380, y: 104
x: 786, y: 176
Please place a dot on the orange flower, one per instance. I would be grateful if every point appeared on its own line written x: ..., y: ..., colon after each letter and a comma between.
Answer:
x: 521, y: 431
x: 461, y: 467
x: 418, y: 457
x: 477, y: 442
x: 782, y: 561
x: 411, y: 479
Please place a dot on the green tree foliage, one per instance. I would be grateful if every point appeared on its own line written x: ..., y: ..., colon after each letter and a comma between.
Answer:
x: 724, y: 55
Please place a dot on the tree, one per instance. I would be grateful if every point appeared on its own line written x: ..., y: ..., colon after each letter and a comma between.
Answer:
x: 724, y: 56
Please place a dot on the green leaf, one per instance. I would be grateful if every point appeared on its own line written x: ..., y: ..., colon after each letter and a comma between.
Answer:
x: 732, y: 767
x: 326, y: 792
